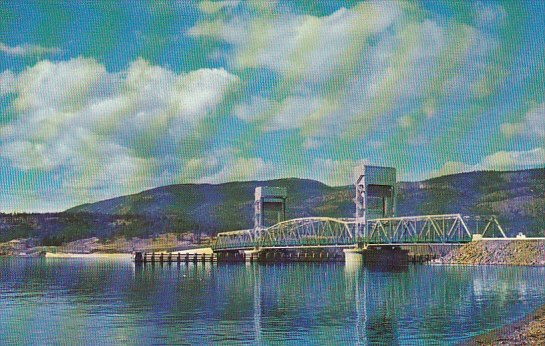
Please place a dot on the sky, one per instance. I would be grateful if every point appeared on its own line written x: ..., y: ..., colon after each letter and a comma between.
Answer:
x: 106, y: 98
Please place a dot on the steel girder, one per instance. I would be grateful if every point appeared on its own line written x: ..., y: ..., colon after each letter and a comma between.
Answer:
x: 314, y: 231
x: 418, y: 229
x: 325, y: 231
x: 235, y: 240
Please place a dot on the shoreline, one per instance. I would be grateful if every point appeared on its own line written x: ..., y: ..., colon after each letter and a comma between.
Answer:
x: 121, y: 255
x: 96, y: 255
x: 529, y: 330
x: 107, y: 255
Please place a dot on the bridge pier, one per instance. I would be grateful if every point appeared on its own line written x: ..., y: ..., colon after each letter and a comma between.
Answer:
x: 384, y: 254
x: 354, y: 255
x: 251, y: 255
x: 387, y: 254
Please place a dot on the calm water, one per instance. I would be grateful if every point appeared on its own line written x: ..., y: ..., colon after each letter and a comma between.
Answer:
x: 79, y: 301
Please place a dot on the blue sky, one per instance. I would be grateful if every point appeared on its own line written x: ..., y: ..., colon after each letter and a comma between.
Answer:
x: 108, y: 98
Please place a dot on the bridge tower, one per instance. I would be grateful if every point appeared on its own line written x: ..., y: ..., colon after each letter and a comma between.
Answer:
x: 269, y: 197
x: 375, y: 195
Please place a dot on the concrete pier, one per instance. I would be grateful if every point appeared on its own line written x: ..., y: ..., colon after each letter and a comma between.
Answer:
x: 386, y: 254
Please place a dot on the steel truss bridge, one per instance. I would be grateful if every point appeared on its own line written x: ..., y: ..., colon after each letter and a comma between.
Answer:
x: 332, y: 232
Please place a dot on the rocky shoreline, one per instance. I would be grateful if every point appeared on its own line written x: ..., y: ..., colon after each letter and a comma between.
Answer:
x: 527, y: 252
x: 519, y: 252
x: 528, y: 331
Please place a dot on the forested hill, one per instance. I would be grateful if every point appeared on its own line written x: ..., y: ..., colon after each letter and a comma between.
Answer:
x: 517, y: 198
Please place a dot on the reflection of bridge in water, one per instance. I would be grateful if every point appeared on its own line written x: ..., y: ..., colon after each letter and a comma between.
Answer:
x: 324, y: 303
x: 375, y: 196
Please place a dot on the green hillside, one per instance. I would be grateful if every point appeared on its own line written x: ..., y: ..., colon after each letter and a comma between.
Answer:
x: 517, y: 198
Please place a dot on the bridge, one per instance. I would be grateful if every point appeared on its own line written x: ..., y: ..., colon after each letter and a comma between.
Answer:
x: 333, y: 232
x: 373, y: 184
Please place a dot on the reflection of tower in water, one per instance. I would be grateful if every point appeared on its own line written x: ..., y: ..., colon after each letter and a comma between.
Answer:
x: 353, y: 272
x: 257, y: 301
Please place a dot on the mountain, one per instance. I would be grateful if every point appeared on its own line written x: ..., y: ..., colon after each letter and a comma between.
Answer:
x: 226, y: 206
x: 517, y: 198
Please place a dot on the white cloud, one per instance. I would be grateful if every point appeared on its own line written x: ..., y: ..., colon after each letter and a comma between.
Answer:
x: 253, y: 109
x: 290, y: 113
x: 488, y: 13
x: 28, y: 50
x: 242, y: 169
x: 505, y: 160
x: 500, y: 161
x: 297, y: 44
x: 106, y: 131
x: 335, y: 172
x: 345, y: 71
x: 228, y: 165
x: 7, y: 82
x: 311, y: 143
x: 532, y: 125
x: 405, y: 121
x: 453, y: 167
x: 211, y: 7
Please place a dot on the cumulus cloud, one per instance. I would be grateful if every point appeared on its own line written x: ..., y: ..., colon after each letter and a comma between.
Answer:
x: 489, y: 13
x: 505, y: 160
x: 289, y: 113
x: 335, y: 172
x: 341, y: 73
x: 299, y: 44
x: 241, y: 169
x: 28, y: 50
x: 533, y: 124
x: 211, y: 7
x: 228, y: 164
x: 501, y: 160
x: 98, y: 127
x: 7, y: 82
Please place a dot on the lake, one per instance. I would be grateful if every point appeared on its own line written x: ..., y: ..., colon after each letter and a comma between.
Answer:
x: 102, y: 301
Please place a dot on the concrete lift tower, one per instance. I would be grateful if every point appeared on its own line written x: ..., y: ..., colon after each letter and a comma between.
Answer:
x: 269, y: 197
x: 375, y: 195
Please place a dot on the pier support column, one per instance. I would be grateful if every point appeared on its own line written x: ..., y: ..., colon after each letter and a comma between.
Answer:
x: 251, y: 255
x: 354, y: 255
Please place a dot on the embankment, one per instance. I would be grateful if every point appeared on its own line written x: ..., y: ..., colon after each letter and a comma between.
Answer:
x: 529, y: 252
x: 529, y: 331
x: 163, y: 242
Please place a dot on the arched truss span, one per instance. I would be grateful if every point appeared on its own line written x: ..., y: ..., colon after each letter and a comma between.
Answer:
x: 325, y: 231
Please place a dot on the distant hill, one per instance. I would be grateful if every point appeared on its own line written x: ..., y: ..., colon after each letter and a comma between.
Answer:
x: 226, y: 206
x: 517, y: 198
